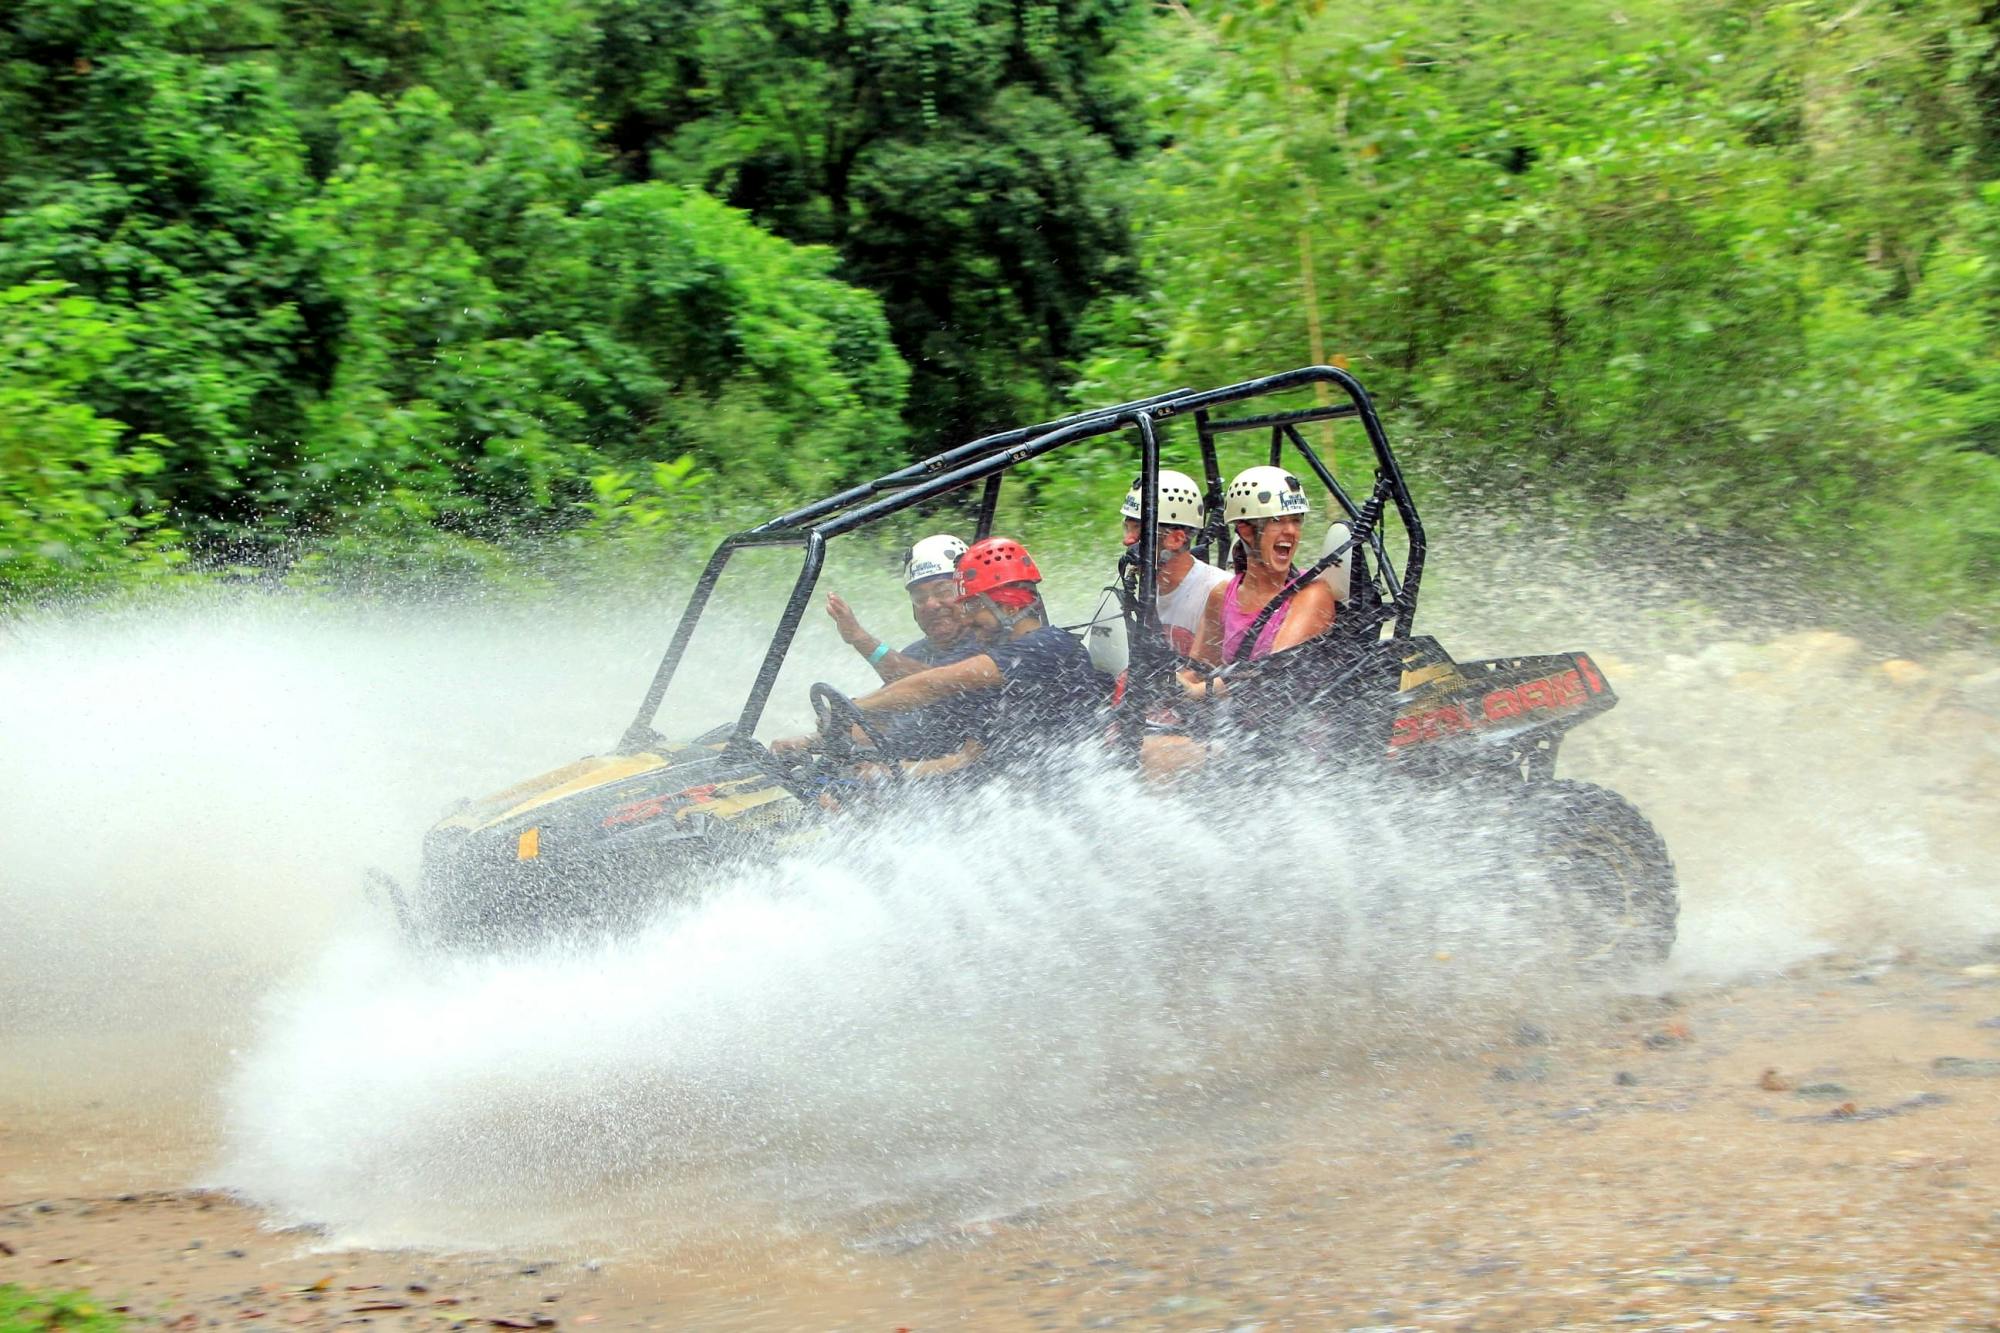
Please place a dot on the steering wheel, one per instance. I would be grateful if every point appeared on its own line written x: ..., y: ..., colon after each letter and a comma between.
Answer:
x: 835, y: 713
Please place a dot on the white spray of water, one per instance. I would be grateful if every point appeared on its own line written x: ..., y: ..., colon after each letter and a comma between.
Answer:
x: 967, y: 1008
x: 193, y: 793
x: 1811, y: 805
x: 1812, y: 801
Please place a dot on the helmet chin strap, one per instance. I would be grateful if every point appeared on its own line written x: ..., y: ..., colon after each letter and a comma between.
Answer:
x: 1009, y: 619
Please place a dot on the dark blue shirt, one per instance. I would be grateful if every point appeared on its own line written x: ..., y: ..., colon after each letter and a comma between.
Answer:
x: 1050, y: 699
x: 947, y: 725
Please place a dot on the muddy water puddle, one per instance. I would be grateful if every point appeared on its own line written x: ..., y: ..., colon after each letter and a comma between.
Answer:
x: 1806, y: 1150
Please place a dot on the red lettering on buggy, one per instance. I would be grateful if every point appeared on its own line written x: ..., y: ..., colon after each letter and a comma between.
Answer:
x: 1564, y: 690
x: 1430, y: 725
x: 638, y: 812
x: 1590, y: 676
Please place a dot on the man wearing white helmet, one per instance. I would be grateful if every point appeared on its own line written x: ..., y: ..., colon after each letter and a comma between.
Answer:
x: 1184, y: 582
x: 930, y: 571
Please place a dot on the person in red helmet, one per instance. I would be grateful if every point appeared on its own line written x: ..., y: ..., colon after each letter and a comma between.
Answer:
x: 1035, y: 681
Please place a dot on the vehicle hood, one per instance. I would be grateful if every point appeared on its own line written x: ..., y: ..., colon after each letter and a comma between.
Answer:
x: 692, y: 763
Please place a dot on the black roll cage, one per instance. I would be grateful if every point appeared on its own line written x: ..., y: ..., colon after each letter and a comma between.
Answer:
x: 987, y: 460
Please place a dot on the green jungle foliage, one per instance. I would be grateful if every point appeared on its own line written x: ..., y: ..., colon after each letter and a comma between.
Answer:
x: 1725, y: 263
x: 387, y: 283
x: 25, y: 1311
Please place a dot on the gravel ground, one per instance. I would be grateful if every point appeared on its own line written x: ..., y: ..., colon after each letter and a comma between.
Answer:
x: 1806, y: 1150
x: 1809, y: 1148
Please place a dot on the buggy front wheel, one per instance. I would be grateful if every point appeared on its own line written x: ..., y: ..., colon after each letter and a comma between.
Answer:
x: 1609, y: 874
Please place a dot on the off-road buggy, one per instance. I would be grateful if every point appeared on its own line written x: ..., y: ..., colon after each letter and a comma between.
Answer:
x: 607, y: 839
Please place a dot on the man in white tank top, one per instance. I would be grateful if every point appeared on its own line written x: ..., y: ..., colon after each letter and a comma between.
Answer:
x: 1184, y: 582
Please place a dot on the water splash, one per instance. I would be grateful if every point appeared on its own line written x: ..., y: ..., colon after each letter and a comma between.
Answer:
x: 963, y: 1012
x: 974, y: 1006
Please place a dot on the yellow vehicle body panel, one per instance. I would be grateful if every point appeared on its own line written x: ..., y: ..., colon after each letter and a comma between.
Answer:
x: 554, y: 785
x: 749, y: 799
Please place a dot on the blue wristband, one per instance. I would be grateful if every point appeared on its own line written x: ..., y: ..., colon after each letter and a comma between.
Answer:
x: 881, y: 651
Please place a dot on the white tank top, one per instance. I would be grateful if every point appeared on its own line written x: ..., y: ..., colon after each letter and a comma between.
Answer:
x: 1180, y: 610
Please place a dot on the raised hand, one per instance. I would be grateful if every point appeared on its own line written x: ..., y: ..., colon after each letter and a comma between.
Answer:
x: 844, y: 620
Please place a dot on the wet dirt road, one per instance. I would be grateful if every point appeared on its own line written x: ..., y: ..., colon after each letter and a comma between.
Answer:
x: 1805, y: 1150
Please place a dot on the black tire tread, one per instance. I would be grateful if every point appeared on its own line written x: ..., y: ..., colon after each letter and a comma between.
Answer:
x: 1655, y: 898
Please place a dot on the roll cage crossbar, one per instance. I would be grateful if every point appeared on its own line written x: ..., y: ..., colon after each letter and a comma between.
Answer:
x: 987, y: 459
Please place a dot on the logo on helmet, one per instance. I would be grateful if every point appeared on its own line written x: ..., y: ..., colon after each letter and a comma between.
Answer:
x: 932, y: 558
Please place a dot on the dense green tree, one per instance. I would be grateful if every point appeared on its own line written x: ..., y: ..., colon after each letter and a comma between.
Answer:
x: 1721, y: 261
x: 74, y: 489
x: 462, y: 322
x: 160, y: 184
x: 378, y: 276
x: 963, y: 156
x: 508, y: 331
x: 488, y: 59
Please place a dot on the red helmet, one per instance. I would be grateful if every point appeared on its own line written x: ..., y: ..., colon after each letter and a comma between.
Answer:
x: 994, y: 562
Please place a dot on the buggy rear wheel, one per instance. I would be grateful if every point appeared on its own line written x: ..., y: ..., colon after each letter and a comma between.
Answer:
x: 1608, y: 869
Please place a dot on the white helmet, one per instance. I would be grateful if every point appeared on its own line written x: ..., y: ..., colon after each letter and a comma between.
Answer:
x: 1180, y: 499
x: 1264, y: 492
x: 932, y: 558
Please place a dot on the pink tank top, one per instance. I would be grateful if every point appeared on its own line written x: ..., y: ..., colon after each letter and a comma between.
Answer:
x: 1235, y: 623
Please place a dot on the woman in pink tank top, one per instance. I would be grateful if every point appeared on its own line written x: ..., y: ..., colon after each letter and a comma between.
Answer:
x: 1265, y: 508
x: 1236, y: 623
